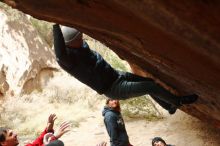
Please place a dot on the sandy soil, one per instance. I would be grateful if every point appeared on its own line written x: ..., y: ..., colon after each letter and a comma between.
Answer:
x: 179, y: 129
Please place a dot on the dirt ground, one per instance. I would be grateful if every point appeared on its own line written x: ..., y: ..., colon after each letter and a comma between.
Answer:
x: 179, y: 129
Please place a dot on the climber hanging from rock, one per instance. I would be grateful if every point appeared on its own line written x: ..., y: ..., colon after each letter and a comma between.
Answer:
x: 75, y: 57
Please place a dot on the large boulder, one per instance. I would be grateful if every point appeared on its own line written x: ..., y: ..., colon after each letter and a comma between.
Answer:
x: 177, y: 43
x: 26, y: 60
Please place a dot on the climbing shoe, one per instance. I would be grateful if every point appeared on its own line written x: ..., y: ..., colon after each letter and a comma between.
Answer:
x: 172, y: 110
x: 188, y: 99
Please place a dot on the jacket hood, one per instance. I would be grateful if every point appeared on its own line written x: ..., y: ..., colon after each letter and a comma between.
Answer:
x: 106, y: 110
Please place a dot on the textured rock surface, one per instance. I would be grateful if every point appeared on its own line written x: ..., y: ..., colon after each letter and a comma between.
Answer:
x: 177, y: 43
x: 26, y: 61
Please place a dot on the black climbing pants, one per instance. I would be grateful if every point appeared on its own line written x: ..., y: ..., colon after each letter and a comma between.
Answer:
x: 129, y: 85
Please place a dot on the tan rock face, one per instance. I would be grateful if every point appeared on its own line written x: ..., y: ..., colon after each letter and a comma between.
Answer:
x: 26, y: 61
x: 178, y: 43
x: 4, y: 87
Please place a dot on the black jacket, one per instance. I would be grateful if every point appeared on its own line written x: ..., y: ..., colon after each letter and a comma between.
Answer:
x: 84, y: 64
x: 115, y: 127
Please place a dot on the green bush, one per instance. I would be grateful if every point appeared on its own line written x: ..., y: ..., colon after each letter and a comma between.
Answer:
x: 140, y: 108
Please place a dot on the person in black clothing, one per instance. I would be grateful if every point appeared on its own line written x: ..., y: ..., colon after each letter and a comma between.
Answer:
x: 114, y: 123
x: 75, y: 57
x: 56, y: 143
x: 158, y: 141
